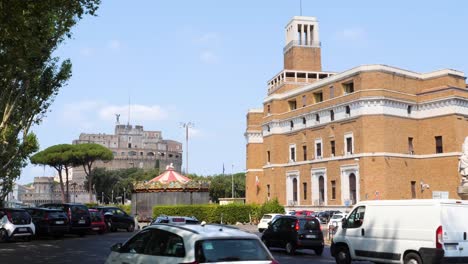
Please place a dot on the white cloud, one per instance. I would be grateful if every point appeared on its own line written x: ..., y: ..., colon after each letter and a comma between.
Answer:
x: 114, y: 45
x: 352, y: 34
x: 87, y: 51
x: 207, y: 38
x: 137, y: 112
x: 208, y: 57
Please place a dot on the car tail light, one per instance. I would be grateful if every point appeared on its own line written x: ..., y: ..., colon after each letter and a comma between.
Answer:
x: 297, y: 225
x: 274, y: 262
x: 439, y: 239
x: 69, y: 214
x: 9, y: 217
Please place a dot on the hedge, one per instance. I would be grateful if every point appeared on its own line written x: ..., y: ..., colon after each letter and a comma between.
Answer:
x: 227, y: 214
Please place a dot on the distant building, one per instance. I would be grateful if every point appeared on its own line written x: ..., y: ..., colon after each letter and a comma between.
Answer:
x: 133, y: 147
x: 13, y: 199
x: 370, y: 132
x: 46, y: 190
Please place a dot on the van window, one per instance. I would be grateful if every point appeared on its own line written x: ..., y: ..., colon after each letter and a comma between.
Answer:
x: 356, y: 218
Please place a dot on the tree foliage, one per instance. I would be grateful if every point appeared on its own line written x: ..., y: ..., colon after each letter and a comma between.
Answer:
x: 59, y: 157
x: 30, y: 77
x: 85, y: 155
x: 221, y: 185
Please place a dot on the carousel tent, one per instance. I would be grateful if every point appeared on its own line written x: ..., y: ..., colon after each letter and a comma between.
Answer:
x: 169, y: 188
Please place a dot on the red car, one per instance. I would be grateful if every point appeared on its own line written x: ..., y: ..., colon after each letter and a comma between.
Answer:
x: 304, y: 212
x: 97, y: 221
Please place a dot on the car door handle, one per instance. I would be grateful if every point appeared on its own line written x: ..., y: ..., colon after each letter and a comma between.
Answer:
x: 363, y: 232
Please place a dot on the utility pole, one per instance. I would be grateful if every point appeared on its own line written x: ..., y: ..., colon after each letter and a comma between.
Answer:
x: 232, y: 180
x: 102, y: 198
x: 186, y: 126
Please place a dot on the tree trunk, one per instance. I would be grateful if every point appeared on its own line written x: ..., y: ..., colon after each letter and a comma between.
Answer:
x: 90, y: 187
x: 68, y: 193
x: 61, y: 185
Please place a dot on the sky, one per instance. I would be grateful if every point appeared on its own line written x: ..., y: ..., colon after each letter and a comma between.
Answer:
x: 208, y: 61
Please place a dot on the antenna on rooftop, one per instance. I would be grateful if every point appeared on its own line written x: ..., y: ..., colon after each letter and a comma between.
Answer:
x: 300, y: 7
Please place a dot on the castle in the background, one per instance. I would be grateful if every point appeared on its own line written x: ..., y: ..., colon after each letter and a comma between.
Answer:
x: 133, y: 147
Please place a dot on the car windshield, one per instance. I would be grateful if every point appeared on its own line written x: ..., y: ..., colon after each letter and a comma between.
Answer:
x: 56, y: 214
x: 19, y: 217
x: 219, y: 250
x: 95, y: 216
x: 309, y: 224
x: 337, y: 216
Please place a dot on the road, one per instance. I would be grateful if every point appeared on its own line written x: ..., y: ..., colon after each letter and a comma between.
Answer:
x: 94, y: 249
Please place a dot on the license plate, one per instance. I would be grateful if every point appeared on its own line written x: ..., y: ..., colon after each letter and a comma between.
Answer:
x: 22, y: 229
x: 95, y: 228
x: 81, y: 222
x: 59, y: 222
x: 310, y: 236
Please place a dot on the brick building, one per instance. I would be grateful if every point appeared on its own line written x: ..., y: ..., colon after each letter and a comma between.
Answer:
x: 371, y: 132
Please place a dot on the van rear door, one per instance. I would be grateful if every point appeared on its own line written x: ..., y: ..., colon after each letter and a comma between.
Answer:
x: 454, y: 218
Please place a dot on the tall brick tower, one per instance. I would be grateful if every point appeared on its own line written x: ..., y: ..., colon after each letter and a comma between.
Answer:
x: 302, y: 50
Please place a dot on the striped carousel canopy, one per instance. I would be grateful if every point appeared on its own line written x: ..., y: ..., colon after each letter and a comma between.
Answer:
x: 170, y: 176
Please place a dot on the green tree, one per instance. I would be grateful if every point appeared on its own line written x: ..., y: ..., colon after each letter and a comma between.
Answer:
x: 31, y: 77
x: 85, y: 155
x: 59, y: 157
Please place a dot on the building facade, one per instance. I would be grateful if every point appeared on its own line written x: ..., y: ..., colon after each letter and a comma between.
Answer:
x: 133, y: 147
x: 371, y: 132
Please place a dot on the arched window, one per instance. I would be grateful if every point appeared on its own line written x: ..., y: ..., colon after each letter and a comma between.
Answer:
x: 352, y: 188
x: 294, y: 189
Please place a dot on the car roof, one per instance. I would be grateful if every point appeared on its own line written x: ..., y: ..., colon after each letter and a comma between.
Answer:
x: 208, y: 231
x: 12, y: 209
x: 44, y: 209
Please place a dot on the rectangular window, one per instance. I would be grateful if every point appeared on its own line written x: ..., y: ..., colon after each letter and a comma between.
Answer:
x: 304, y: 187
x: 332, y: 146
x: 268, y: 190
x: 333, y: 186
x: 304, y: 101
x: 292, y: 105
x: 332, y: 91
x: 304, y: 151
x: 292, y: 152
x: 318, y: 97
x: 439, y: 144
x: 268, y: 109
x: 129, y: 145
x: 268, y: 156
x: 348, y: 87
x: 413, y: 190
x: 332, y: 115
x: 349, y: 145
x: 410, y: 146
x: 318, y: 150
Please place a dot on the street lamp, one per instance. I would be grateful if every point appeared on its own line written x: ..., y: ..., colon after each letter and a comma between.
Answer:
x: 186, y: 126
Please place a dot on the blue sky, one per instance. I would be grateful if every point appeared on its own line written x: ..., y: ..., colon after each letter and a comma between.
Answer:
x: 208, y: 62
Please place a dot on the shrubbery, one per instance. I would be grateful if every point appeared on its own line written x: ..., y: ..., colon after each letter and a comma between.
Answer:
x: 227, y: 214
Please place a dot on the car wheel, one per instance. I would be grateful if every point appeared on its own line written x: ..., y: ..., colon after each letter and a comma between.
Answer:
x: 412, y: 258
x: 342, y: 255
x: 260, y: 230
x: 3, y: 235
x: 290, y: 248
x: 318, y: 251
x: 131, y: 228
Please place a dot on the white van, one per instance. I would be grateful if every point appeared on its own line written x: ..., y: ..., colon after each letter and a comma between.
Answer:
x: 404, y: 231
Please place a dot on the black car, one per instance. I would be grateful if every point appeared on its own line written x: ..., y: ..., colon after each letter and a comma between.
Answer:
x: 79, y: 218
x: 47, y: 221
x: 116, y: 218
x: 294, y: 232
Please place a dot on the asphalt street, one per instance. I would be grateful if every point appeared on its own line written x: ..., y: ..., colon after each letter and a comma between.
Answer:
x: 94, y: 249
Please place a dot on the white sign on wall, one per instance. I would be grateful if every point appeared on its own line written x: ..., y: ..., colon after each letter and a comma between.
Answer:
x: 440, y: 195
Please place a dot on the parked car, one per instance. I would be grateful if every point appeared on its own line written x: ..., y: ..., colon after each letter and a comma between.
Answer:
x: 164, y: 219
x: 267, y: 218
x: 78, y: 216
x: 53, y: 222
x: 97, y: 221
x: 336, y: 219
x: 15, y: 223
x: 294, y: 232
x: 326, y: 215
x: 169, y: 243
x: 392, y: 231
x: 116, y: 218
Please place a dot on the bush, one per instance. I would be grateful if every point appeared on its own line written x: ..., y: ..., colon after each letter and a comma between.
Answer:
x: 228, y: 214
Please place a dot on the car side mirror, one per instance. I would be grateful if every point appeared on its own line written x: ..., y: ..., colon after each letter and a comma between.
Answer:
x: 116, y: 247
x: 344, y: 223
